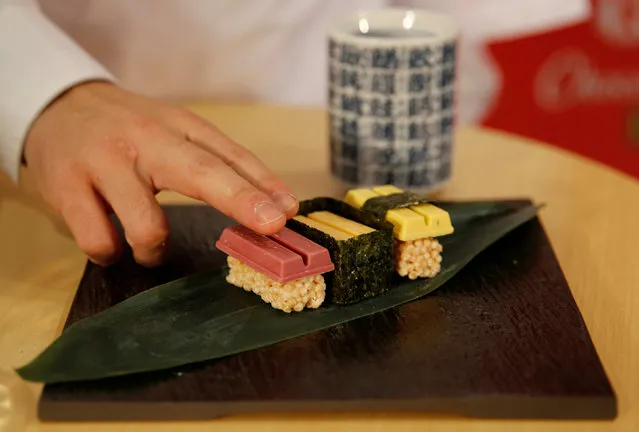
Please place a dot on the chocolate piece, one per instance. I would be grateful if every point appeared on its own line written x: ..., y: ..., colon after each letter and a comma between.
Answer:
x: 364, y: 264
x: 283, y: 257
x: 411, y: 223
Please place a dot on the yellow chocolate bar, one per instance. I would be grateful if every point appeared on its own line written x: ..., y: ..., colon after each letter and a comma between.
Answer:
x: 412, y: 223
x: 407, y: 224
x: 341, y: 223
x: 387, y: 190
x: 327, y: 229
x: 357, y: 197
x: 436, y: 221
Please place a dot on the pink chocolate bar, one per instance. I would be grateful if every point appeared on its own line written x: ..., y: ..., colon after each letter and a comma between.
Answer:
x: 284, y: 257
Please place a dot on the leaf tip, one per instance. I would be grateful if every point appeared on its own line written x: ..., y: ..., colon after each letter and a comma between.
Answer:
x: 24, y: 373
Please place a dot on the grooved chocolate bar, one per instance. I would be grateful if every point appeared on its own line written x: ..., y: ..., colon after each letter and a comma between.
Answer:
x: 283, y: 257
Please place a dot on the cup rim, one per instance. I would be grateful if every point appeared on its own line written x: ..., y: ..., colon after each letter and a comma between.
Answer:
x: 442, y: 26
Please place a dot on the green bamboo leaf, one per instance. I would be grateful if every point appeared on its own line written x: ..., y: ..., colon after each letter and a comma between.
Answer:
x: 202, y: 317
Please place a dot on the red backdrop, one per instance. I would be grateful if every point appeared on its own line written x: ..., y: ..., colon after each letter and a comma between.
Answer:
x: 576, y: 87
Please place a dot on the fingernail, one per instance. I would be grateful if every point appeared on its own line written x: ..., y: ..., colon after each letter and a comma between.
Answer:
x: 266, y: 212
x: 285, y: 200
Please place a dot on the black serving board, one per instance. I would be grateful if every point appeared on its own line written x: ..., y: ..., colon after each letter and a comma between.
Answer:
x: 502, y: 339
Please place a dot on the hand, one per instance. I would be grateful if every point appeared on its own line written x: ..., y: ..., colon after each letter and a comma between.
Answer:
x: 99, y: 148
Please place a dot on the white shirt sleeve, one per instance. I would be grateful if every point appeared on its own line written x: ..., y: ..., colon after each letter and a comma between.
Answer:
x: 38, y: 62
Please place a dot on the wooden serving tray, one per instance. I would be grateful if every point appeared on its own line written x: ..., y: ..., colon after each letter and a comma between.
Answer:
x: 503, y: 339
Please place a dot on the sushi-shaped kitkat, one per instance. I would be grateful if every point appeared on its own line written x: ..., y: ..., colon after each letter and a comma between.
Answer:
x: 360, y: 245
x: 284, y: 269
x: 417, y: 224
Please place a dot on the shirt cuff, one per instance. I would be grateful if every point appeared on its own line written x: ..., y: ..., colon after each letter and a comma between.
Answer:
x: 39, y: 63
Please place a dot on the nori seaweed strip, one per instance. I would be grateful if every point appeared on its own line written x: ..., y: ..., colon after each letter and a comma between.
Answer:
x: 380, y: 205
x: 364, y: 265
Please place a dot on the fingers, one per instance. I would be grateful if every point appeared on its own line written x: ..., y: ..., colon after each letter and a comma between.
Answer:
x: 84, y: 214
x: 192, y: 171
x: 241, y: 160
x: 145, y: 225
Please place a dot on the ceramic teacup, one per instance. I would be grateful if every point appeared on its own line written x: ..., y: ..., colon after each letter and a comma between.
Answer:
x: 391, y: 98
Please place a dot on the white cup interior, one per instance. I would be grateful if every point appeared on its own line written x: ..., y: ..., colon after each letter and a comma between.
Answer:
x: 393, y: 26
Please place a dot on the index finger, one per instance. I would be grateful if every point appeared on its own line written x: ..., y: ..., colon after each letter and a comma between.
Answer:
x: 185, y: 168
x: 241, y: 160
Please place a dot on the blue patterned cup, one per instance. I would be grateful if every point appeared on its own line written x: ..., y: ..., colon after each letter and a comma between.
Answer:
x: 391, y: 98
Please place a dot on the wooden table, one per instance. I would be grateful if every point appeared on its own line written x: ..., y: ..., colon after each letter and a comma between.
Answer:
x: 591, y: 219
